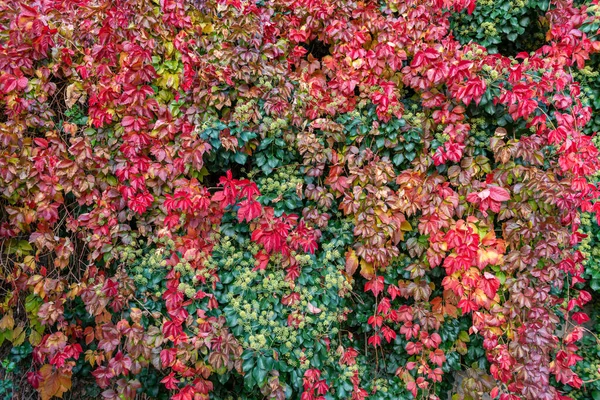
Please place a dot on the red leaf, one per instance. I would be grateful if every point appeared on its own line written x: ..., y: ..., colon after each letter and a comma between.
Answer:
x: 375, y: 340
x: 272, y: 233
x: 414, y: 348
x: 262, y: 259
x: 321, y: 387
x: 388, y: 333
x: 471, y: 6
x: 187, y: 393
x: 584, y: 297
x: 375, y: 285
x: 375, y: 320
x: 291, y: 299
x: 494, y: 393
x: 437, y: 357
x: 167, y: 357
x: 170, y: 381
x: 141, y: 202
x: 249, y: 209
x: 489, y: 284
x: 580, y: 317
x: 172, y: 329
x: 384, y: 306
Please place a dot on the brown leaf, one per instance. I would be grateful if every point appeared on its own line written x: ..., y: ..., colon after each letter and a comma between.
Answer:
x: 136, y: 314
x: 73, y: 94
x: 7, y: 322
x: 218, y: 360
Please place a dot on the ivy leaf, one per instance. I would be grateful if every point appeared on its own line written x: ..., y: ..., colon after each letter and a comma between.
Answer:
x: 259, y: 374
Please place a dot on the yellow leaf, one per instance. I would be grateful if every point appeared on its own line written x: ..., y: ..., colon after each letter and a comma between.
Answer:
x: 367, y: 270
x: 357, y: 63
x: 169, y: 47
x: 18, y: 336
x: 405, y: 226
x: 207, y: 28
x: 35, y: 338
x: 90, y: 356
x: 29, y: 262
x: 74, y: 291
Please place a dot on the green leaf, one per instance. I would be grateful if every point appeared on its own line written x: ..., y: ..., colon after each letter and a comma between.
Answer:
x: 249, y: 381
x: 259, y: 375
x: 265, y: 143
x: 240, y: 157
x: 24, y: 246
x: 273, y: 162
x: 501, y: 277
x: 398, y: 159
x: 248, y: 364
x: 247, y: 136
x: 112, y: 181
x: 464, y: 336
x: 261, y: 363
x: 269, y: 363
x: 290, y: 204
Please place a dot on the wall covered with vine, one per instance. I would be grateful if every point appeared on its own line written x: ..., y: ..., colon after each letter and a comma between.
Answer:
x: 299, y: 199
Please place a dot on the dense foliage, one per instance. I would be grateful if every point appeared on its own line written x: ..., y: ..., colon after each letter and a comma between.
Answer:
x: 301, y: 199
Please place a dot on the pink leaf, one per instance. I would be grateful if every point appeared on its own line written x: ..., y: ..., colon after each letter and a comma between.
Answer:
x: 499, y: 194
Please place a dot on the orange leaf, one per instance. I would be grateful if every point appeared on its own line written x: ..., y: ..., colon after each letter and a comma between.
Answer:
x: 54, y: 382
x: 351, y: 262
